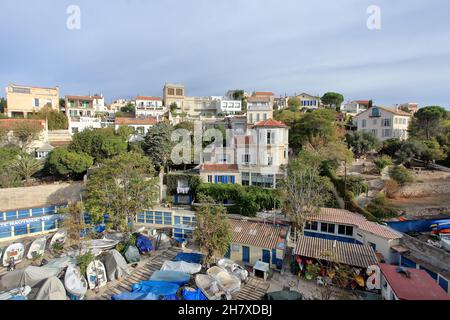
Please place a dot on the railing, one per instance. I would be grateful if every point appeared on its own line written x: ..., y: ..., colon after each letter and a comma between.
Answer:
x: 183, y: 190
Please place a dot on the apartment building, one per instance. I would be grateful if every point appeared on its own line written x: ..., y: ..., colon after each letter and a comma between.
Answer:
x: 226, y: 106
x: 384, y: 123
x: 149, y: 107
x: 82, y: 114
x: 22, y: 100
x: 259, y: 109
x: 174, y: 93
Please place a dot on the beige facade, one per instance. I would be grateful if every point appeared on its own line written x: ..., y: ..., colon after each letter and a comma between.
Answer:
x: 174, y: 93
x: 22, y: 100
x: 259, y: 109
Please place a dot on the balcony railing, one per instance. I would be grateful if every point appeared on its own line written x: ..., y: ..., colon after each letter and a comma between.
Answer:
x: 183, y: 190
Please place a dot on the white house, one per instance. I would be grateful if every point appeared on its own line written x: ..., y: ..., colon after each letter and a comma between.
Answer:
x: 384, y: 123
x: 149, y: 107
x: 227, y: 106
x: 140, y: 125
x: 356, y: 106
x: 259, y: 109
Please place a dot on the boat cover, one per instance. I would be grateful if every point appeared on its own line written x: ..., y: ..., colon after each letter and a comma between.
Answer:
x: 159, y: 288
x: 191, y: 268
x: 116, y: 265
x: 61, y: 263
x: 132, y: 254
x: 29, y: 276
x: 177, y: 277
x: 189, y: 257
x: 134, y: 296
x: 144, y: 244
x: 193, y: 294
x: 52, y: 289
x: 283, y: 295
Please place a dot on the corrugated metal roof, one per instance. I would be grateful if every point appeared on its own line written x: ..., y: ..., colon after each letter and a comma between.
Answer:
x: 346, y: 217
x: 257, y: 234
x: 352, y: 254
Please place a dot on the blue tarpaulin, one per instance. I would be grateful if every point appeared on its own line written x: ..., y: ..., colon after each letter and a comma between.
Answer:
x: 135, y: 296
x: 193, y: 294
x: 160, y: 288
x: 177, y: 277
x: 144, y: 244
x: 189, y: 257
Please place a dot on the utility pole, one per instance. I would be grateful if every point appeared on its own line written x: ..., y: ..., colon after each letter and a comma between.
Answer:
x: 345, y: 184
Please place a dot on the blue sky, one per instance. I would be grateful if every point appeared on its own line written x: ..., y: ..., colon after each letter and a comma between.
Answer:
x: 130, y: 47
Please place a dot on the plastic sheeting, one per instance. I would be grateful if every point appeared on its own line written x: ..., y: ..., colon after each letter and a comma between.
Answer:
x: 52, y: 289
x: 193, y: 294
x: 134, y: 296
x: 177, y: 277
x: 116, y: 265
x: 159, y: 288
x: 144, y: 244
x: 29, y: 276
x: 182, y: 266
x: 61, y: 263
x: 189, y: 257
x: 132, y: 254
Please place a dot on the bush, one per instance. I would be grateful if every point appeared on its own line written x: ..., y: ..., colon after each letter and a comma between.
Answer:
x: 357, y: 185
x: 401, y: 175
x: 84, y: 260
x: 382, y: 162
x: 67, y: 164
x: 391, y: 188
x: 379, y: 207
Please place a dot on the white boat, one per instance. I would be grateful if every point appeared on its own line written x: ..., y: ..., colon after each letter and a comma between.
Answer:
x: 209, y: 286
x: 445, y: 242
x: 75, y: 283
x: 17, y: 292
x: 227, y: 282
x: 16, y: 250
x: 100, y: 244
x: 96, y: 274
x: 59, y: 237
x: 233, y: 268
x: 37, y: 248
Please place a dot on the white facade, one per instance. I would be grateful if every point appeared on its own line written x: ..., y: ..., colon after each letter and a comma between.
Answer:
x: 83, y: 123
x: 149, y: 107
x: 227, y: 106
x: 355, y: 107
x: 258, y: 109
x: 99, y: 104
x: 384, y: 123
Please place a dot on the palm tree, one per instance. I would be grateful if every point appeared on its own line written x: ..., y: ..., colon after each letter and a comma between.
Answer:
x: 26, y: 166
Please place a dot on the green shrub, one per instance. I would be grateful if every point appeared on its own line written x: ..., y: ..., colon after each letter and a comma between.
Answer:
x: 379, y: 207
x: 84, y: 260
x: 401, y: 175
x: 382, y: 162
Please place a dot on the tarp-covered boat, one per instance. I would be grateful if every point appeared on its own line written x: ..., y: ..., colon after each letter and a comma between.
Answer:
x: 96, y: 274
x: 16, y: 293
x: 116, y: 265
x: 189, y: 257
x: 75, y: 283
x: 134, y: 296
x: 191, y: 268
x: 16, y: 251
x: 29, y: 276
x: 132, y: 254
x: 52, y: 289
x: 227, y: 282
x: 209, y: 286
x: 158, y: 288
x: 233, y: 268
x: 177, y: 277
x: 37, y: 248
x: 144, y: 244
x: 61, y: 263
x: 192, y: 294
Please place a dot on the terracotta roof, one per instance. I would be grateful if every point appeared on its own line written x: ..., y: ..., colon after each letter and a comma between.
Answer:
x: 419, y: 285
x: 270, y: 123
x: 81, y: 97
x: 243, y: 140
x: 148, y: 98
x: 264, y: 94
x: 135, y: 121
x: 220, y: 167
x: 258, y: 234
x: 356, y: 255
x: 62, y: 143
x: 341, y: 216
x: 362, y: 101
x: 10, y: 123
x: 258, y: 99
x: 399, y: 112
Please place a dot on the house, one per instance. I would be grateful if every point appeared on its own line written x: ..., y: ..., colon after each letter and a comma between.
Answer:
x: 345, y: 226
x: 22, y: 100
x: 265, y: 94
x: 253, y: 241
x: 225, y: 106
x: 43, y: 151
x: 174, y: 93
x: 9, y: 126
x: 82, y: 113
x: 149, y: 107
x: 356, y: 106
x: 384, y: 123
x: 400, y: 283
x: 411, y: 107
x: 259, y: 109
x: 140, y: 125
x: 308, y: 101
x: 220, y: 173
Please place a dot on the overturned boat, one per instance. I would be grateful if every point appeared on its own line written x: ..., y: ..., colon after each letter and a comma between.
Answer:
x: 58, y: 238
x: 75, y: 283
x: 16, y: 293
x: 37, y: 248
x: 96, y: 274
x: 227, y: 282
x: 233, y: 268
x: 209, y: 287
x: 16, y: 251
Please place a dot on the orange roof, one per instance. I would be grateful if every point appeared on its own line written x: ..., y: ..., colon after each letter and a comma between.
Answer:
x: 81, y: 97
x: 148, y: 98
x: 258, y: 99
x: 220, y: 167
x: 136, y: 121
x: 264, y: 94
x: 10, y: 123
x: 243, y: 140
x: 270, y: 123
x: 362, y: 101
x: 350, y: 218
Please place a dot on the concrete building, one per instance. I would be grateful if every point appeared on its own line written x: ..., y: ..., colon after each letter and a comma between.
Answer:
x: 22, y: 100
x: 140, y: 125
x: 356, y: 106
x: 174, y: 93
x: 410, y: 107
x: 259, y: 109
x: 82, y: 114
x: 384, y: 123
x: 225, y: 106
x: 149, y: 107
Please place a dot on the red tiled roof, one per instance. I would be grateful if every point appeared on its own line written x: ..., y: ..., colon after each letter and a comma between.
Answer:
x: 393, y: 111
x: 332, y: 215
x: 220, y: 167
x: 258, y: 99
x: 270, y: 123
x: 81, y: 97
x: 362, y: 101
x: 10, y: 123
x: 135, y: 121
x: 148, y: 98
x: 243, y: 140
x: 419, y: 286
x: 257, y: 234
x: 264, y: 94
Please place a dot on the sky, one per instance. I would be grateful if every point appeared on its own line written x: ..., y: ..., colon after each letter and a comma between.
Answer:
x: 126, y: 48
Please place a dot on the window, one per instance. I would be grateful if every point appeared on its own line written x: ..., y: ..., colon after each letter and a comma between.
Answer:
x: 345, y: 230
x: 171, y: 91
x: 387, y: 132
x: 374, y: 122
x: 375, y: 112
x: 374, y: 132
x: 313, y: 225
x: 177, y: 219
x: 265, y: 116
x: 364, y: 123
x: 210, y: 179
x: 327, y: 227
x: 257, y: 117
x: 270, y: 137
x: 386, y: 123
x: 179, y: 92
x: 158, y: 218
x: 36, y: 102
x: 246, y: 158
x: 269, y: 160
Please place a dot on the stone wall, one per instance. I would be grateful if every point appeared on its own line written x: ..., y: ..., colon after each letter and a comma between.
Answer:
x: 429, y: 188
x: 50, y: 194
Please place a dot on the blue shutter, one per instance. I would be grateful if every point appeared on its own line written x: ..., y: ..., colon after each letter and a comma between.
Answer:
x: 216, y: 179
x: 233, y: 179
x: 266, y: 256
x: 245, y: 254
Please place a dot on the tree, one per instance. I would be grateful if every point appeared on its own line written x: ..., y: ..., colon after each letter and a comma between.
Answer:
x: 334, y: 153
x: 2, y: 105
x: 409, y: 150
x: 362, y: 142
x: 56, y: 120
x: 68, y: 164
x: 213, y: 231
x: 100, y: 144
x: 9, y: 178
x: 333, y: 100
x: 158, y: 145
x: 433, y: 151
x: 294, y: 104
x: 129, y: 108
x: 382, y: 162
x: 173, y: 108
x: 73, y: 222
x: 26, y: 166
x: 287, y: 116
x: 401, y: 175
x: 303, y: 190
x: 26, y: 132
x: 428, y: 122
x: 390, y: 147
x: 121, y: 187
